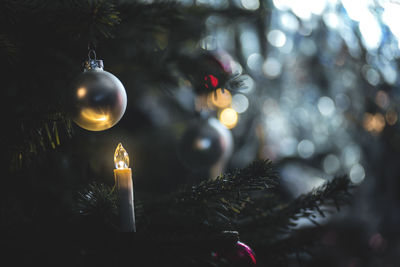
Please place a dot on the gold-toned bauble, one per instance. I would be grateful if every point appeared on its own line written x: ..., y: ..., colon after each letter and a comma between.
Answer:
x: 98, y: 100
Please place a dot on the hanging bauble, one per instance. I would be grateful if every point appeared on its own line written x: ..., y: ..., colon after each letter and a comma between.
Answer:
x: 209, y: 70
x: 240, y: 255
x: 98, y: 99
x: 205, y: 144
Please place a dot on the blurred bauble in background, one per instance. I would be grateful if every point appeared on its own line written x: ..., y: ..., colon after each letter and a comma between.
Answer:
x: 240, y: 255
x: 209, y: 70
x: 98, y: 99
x: 205, y: 145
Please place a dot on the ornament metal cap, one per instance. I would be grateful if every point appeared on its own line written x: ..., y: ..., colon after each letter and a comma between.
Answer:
x: 92, y: 64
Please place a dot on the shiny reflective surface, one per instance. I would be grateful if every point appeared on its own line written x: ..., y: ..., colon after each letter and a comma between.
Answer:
x: 205, y: 143
x: 98, y: 100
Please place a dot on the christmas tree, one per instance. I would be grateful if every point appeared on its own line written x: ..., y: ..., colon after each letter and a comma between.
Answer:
x: 236, y: 131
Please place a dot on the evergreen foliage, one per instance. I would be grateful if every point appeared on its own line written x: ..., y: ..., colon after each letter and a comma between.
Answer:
x: 42, y: 44
x: 42, y: 47
x: 209, y: 216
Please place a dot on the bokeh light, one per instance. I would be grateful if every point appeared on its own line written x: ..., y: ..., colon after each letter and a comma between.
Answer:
x: 276, y: 38
x: 220, y: 98
x: 391, y: 117
x: 374, y: 123
x: 240, y: 103
x: 289, y: 22
x: 254, y: 61
x: 272, y: 68
x: 229, y: 117
x: 370, y: 31
x: 202, y: 143
x: 357, y: 173
x: 382, y: 99
x: 331, y: 164
x: 351, y: 155
x: 331, y: 20
x: 326, y: 106
x: 322, y: 72
x: 81, y: 92
x: 250, y: 4
x: 306, y: 148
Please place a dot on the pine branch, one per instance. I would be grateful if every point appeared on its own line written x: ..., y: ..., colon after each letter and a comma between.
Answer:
x: 273, y: 215
x: 154, y: 37
x: 216, y: 203
x: 269, y: 223
x: 37, y: 135
x: 194, y: 219
x: 257, y: 176
x: 202, y: 201
x: 95, y: 19
x: 97, y: 200
x: 49, y: 33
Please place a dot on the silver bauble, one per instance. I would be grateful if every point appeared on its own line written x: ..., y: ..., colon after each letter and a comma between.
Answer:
x: 98, y: 100
x: 206, y: 145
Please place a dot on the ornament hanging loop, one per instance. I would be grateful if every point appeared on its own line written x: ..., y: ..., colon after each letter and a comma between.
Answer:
x: 93, y: 63
x: 92, y: 52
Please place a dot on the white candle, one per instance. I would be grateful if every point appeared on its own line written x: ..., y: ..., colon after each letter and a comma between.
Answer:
x: 124, y: 186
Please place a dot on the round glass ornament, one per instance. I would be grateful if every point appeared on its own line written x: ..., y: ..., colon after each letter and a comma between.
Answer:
x: 98, y: 99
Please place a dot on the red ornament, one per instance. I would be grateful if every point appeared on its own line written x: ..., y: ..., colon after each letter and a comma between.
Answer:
x: 241, y: 255
x: 208, y: 70
x: 211, y: 81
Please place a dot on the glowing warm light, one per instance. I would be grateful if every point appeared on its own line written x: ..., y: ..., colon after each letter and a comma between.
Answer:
x: 121, y: 158
x: 369, y: 122
x: 94, y: 119
x: 374, y: 123
x: 229, y: 118
x: 81, y: 92
x: 94, y: 116
x: 219, y: 98
x: 391, y: 117
x: 124, y: 188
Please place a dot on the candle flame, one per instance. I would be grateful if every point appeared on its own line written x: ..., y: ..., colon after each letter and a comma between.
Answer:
x: 121, y: 158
